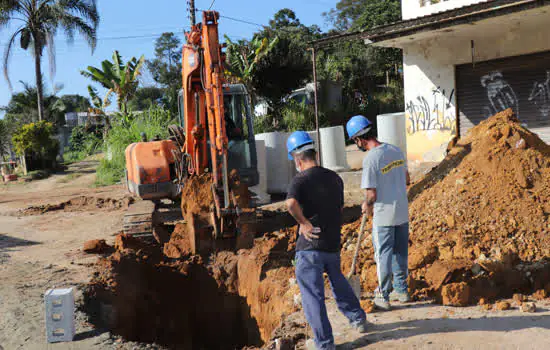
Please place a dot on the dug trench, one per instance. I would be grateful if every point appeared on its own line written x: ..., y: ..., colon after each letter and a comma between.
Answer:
x: 231, y: 300
x: 166, y: 295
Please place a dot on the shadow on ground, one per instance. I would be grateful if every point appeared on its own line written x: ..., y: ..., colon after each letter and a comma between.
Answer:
x: 8, y: 242
x: 406, y: 329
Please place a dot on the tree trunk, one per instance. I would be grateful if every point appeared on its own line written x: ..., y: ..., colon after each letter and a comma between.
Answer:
x: 39, y: 87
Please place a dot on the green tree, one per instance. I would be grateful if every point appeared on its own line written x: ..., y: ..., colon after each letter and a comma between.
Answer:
x: 39, y: 22
x: 22, y: 108
x: 359, y: 67
x: 98, y: 107
x: 243, y: 57
x: 36, y: 140
x: 288, y: 64
x: 147, y: 97
x: 4, y: 138
x: 75, y: 103
x: 166, y: 70
x: 119, y: 78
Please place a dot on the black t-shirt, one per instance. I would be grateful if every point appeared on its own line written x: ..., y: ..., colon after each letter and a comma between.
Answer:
x: 320, y: 193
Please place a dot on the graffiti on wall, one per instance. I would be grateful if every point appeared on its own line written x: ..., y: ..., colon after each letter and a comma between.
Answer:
x: 440, y: 114
x: 540, y: 96
x: 500, y: 94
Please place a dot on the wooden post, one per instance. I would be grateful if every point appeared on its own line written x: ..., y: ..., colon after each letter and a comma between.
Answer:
x: 192, y: 12
x: 316, y: 103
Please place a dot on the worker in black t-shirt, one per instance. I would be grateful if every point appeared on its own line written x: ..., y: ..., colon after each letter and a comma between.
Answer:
x: 316, y: 199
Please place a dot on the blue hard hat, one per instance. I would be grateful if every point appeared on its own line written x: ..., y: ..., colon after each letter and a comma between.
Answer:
x: 297, y: 142
x: 357, y: 126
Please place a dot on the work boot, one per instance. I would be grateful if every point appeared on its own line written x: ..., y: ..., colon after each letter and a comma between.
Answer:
x: 401, y: 297
x: 380, y: 302
x: 361, y: 326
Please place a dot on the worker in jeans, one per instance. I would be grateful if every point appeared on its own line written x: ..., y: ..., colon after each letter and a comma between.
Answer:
x: 316, y: 199
x: 385, y: 179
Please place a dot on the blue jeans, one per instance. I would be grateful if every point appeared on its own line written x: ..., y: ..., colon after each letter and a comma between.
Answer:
x: 310, y: 265
x: 391, y: 253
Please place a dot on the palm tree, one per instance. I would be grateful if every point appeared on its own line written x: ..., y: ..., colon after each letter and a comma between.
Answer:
x: 39, y: 21
x: 22, y: 108
x: 118, y: 78
x: 243, y: 56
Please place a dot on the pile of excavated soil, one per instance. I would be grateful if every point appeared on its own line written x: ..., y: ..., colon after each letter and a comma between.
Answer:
x: 479, y: 222
x: 81, y: 203
x: 197, y: 204
x: 96, y: 246
x: 228, y: 301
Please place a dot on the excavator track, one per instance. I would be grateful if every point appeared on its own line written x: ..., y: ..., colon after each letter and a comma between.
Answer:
x: 148, y: 220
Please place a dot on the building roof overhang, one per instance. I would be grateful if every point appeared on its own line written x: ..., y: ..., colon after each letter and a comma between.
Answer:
x: 400, y: 33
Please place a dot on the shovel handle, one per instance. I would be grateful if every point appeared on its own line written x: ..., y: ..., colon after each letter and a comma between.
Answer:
x: 359, y: 239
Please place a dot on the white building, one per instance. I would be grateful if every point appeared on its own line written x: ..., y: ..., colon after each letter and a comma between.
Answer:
x: 465, y: 60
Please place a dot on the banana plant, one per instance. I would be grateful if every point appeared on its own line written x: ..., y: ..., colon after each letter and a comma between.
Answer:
x: 119, y: 78
x: 242, y: 58
x: 98, y: 108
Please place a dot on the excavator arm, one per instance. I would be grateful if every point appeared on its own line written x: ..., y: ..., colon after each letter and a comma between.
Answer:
x: 204, y: 121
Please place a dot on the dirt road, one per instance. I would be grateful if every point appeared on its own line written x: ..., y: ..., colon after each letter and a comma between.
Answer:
x: 38, y: 252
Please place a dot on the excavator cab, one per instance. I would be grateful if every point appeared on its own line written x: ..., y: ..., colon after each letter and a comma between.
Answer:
x: 240, y: 132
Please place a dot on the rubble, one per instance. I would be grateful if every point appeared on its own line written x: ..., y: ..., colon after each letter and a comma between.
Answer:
x: 528, y: 307
x: 95, y: 246
x: 520, y: 298
x: 503, y: 306
x: 455, y: 294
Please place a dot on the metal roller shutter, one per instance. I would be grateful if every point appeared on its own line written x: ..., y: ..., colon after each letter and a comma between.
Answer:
x: 521, y: 83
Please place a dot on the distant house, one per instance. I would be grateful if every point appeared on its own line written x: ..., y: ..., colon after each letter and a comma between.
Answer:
x: 73, y: 119
x: 329, y: 94
x: 465, y: 60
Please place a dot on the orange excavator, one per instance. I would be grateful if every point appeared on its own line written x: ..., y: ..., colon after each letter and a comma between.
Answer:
x: 215, y: 136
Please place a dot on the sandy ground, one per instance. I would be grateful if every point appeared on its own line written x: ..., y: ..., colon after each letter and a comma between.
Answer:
x: 43, y: 251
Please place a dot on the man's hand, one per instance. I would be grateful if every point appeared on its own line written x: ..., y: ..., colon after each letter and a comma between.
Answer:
x: 368, y: 205
x: 367, y: 209
x: 306, y: 228
x: 309, y: 231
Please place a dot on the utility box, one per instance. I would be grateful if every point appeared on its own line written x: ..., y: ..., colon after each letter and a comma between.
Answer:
x: 60, y: 324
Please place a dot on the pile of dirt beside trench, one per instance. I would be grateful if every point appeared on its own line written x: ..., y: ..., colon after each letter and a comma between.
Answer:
x: 479, y: 222
x: 81, y: 203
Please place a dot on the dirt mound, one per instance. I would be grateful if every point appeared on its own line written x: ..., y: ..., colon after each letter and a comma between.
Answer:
x: 231, y: 300
x: 197, y: 207
x: 81, y: 203
x: 481, y: 217
x: 96, y: 246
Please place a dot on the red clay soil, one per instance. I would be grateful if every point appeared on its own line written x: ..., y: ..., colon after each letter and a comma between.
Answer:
x: 231, y: 301
x: 197, y: 202
x: 96, y: 246
x: 81, y: 203
x: 480, y: 217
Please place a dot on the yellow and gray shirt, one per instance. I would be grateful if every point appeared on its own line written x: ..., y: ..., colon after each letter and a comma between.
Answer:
x: 384, y: 168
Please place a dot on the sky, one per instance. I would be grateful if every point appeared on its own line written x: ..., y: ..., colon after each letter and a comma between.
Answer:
x: 131, y: 26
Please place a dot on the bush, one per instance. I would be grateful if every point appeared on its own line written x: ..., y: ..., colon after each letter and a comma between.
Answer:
x: 36, y: 142
x: 83, y: 142
x: 124, y: 132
